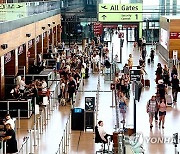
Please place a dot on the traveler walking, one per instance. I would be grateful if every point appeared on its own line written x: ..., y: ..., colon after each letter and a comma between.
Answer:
x: 151, y: 108
x: 175, y: 88
x: 162, y: 112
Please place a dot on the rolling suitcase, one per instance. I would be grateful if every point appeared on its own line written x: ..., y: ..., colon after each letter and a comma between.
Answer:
x: 147, y: 83
x: 143, y: 82
x: 169, y: 101
x: 149, y: 60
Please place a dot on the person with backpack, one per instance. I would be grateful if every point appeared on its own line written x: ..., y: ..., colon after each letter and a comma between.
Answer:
x: 151, y: 108
x: 161, y: 89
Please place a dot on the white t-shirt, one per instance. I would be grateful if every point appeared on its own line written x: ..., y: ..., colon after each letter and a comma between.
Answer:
x: 44, y: 86
x: 102, y: 133
x: 18, y: 79
x: 22, y: 85
x: 62, y: 85
x: 11, y: 122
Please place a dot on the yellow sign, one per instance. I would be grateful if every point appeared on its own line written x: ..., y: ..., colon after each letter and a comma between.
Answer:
x: 120, y: 12
x: 12, y: 11
x: 132, y: 7
x: 120, y: 17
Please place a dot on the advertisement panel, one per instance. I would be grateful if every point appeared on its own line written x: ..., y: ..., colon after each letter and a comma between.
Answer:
x: 164, y: 37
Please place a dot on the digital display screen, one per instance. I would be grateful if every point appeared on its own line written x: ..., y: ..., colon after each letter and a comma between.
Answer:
x: 164, y: 38
x: 77, y: 110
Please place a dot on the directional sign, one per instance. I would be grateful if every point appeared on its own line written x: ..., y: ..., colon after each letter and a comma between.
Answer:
x: 112, y: 86
x: 120, y: 12
x: 114, y: 8
x: 120, y: 17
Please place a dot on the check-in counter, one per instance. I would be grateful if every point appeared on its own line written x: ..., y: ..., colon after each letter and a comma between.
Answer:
x: 51, y: 63
x: 13, y: 106
x: 54, y: 92
x: 47, y: 74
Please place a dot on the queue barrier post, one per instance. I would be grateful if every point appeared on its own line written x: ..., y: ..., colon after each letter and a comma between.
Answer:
x: 40, y: 122
x: 1, y: 150
x: 19, y: 115
x: 66, y: 137
x: 30, y: 140
x: 27, y: 141
x: 35, y: 134
x: 62, y: 146
x: 64, y: 141
x: 5, y: 147
x: 38, y: 127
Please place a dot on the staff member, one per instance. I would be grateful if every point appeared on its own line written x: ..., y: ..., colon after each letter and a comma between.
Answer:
x: 102, y: 133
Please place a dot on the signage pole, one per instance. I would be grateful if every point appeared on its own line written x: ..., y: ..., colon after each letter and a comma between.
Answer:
x: 120, y: 58
x: 112, y: 52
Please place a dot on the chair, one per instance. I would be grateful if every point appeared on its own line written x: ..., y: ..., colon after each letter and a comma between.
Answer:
x: 98, y: 139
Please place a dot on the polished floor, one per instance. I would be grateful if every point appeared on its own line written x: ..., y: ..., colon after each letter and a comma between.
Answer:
x: 82, y: 142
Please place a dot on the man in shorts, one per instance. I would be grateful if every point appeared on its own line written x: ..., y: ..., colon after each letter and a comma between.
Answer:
x: 151, y: 108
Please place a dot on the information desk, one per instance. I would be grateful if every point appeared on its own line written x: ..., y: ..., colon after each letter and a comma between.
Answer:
x: 12, y: 106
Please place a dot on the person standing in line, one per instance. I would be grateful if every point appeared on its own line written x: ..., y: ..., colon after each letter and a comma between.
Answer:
x: 122, y: 106
x: 10, y: 138
x: 175, y: 88
x: 162, y: 112
x: 130, y: 61
x: 174, y: 71
x: 58, y: 64
x: 151, y: 108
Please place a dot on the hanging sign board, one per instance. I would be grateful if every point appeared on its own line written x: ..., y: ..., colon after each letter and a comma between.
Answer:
x: 120, y: 12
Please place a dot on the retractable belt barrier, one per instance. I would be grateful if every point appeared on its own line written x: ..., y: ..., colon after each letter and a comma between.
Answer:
x: 64, y: 143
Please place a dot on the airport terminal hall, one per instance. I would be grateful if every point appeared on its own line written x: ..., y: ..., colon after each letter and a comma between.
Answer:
x: 90, y: 77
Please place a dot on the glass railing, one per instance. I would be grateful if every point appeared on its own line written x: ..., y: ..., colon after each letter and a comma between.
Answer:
x: 15, y: 15
x: 14, y: 11
x: 154, y: 12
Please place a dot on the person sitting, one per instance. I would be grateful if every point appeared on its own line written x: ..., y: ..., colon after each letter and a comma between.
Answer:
x: 102, y: 132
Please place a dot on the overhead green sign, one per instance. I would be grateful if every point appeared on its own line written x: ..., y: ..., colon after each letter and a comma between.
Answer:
x: 120, y: 12
x: 12, y: 11
x: 120, y: 17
